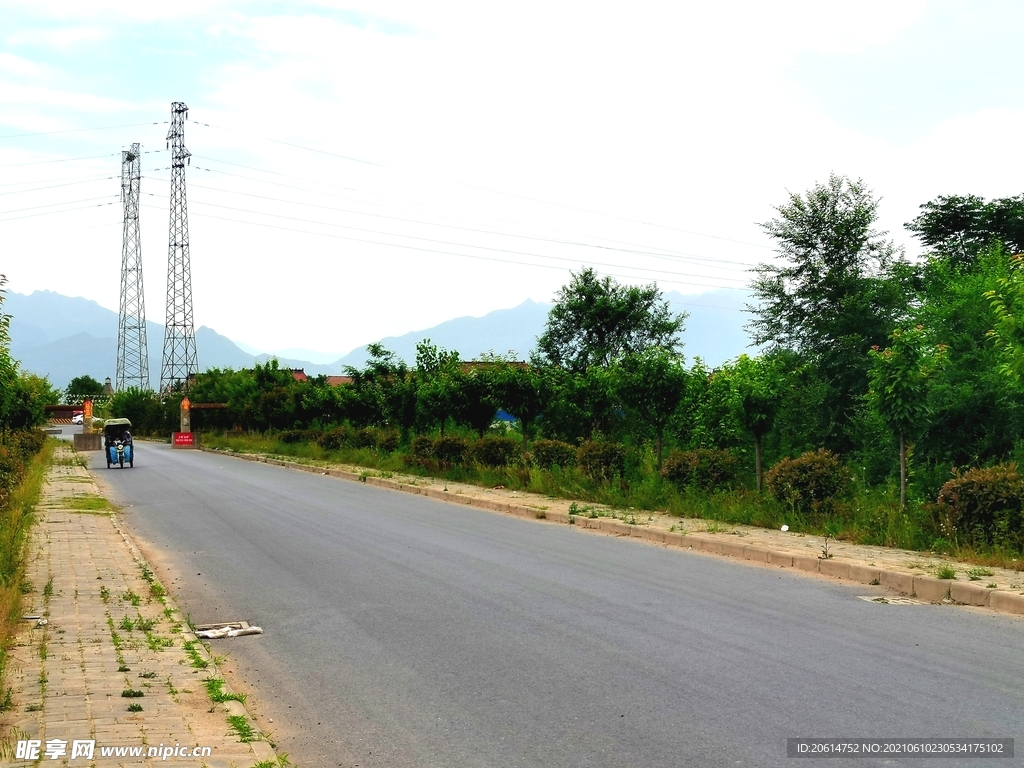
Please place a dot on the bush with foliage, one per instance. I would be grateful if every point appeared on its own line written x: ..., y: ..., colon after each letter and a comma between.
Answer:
x: 336, y: 439
x: 984, y: 505
x: 291, y: 436
x: 451, y: 450
x: 601, y: 460
x: 364, y: 438
x: 707, y: 469
x: 553, y: 453
x: 421, y: 449
x: 496, y: 451
x: 809, y: 483
x: 16, y: 449
x: 388, y: 441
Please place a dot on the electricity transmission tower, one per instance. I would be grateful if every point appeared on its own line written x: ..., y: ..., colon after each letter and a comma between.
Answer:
x: 180, y: 360
x: 132, y: 351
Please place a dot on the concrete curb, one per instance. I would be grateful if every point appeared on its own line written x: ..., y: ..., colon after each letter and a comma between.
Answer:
x: 924, y: 588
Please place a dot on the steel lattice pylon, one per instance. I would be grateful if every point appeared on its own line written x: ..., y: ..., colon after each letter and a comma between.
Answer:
x: 132, y: 351
x: 180, y: 360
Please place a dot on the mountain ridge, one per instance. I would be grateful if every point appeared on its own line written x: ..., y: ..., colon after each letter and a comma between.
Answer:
x: 62, y: 336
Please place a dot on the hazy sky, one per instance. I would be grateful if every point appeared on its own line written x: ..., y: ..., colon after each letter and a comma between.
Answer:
x: 363, y: 169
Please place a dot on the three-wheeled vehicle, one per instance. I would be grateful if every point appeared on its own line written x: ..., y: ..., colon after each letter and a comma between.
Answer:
x: 117, y: 442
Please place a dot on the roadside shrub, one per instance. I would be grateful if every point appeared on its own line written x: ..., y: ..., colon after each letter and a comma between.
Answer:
x: 336, y: 439
x: 364, y: 438
x: 986, y: 505
x: 707, y: 469
x: 387, y: 442
x: 451, y: 450
x: 601, y: 460
x: 553, y: 453
x: 496, y: 451
x: 292, y: 436
x: 422, y: 448
x: 16, y: 449
x: 809, y: 483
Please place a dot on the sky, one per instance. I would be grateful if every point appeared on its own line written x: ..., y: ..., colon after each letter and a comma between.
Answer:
x: 365, y: 169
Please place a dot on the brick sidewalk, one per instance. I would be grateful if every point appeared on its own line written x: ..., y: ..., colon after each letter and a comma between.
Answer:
x: 89, y: 585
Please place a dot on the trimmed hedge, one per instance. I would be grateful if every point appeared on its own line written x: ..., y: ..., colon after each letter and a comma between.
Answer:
x: 986, y: 505
x: 553, y: 453
x: 600, y: 460
x: 496, y: 451
x: 809, y: 483
x: 707, y: 469
x: 451, y: 451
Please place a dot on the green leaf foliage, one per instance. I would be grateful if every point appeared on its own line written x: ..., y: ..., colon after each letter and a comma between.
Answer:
x: 595, y: 321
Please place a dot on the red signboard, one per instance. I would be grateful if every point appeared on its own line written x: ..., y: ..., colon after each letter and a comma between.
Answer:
x: 184, y: 440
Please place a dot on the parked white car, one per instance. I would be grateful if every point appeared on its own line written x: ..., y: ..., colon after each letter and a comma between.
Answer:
x: 78, y: 418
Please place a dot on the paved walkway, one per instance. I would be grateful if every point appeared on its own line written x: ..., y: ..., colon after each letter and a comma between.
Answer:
x: 107, y: 639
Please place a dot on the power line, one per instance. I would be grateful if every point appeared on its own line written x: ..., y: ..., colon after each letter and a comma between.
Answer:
x: 581, y: 244
x: 488, y: 189
x: 74, y: 130
x: 51, y: 213
x: 51, y: 205
x: 666, y: 251
x: 421, y: 239
x: 60, y: 160
x: 463, y: 255
x: 54, y: 186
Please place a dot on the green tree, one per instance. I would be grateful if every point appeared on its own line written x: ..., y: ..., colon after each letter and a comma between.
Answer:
x: 841, y: 288
x: 22, y: 395
x: 524, y: 391
x: 581, y: 404
x: 440, y: 394
x: 1008, y: 305
x: 651, y: 385
x: 478, y: 406
x: 83, y: 386
x: 595, y: 321
x: 977, y: 413
x: 384, y: 391
x: 960, y: 227
x: 899, y: 387
x: 759, y: 383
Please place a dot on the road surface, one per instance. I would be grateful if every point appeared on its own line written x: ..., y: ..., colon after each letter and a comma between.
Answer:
x: 401, y: 631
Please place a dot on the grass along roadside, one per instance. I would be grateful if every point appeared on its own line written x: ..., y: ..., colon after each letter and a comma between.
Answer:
x: 15, y: 523
x: 867, y: 516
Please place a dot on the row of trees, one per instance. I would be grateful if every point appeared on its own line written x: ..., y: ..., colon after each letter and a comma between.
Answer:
x: 900, y: 367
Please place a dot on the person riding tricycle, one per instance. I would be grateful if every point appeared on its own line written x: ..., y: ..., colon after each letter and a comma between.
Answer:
x: 117, y: 442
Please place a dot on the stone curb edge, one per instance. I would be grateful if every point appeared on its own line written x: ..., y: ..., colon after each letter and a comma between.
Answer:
x: 261, y: 749
x: 924, y: 588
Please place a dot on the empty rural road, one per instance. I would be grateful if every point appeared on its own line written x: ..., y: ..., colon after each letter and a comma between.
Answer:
x: 401, y: 631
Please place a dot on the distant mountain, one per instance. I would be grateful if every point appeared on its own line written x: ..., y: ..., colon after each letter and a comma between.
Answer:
x: 63, y: 337
x: 504, y: 330
x: 713, y: 331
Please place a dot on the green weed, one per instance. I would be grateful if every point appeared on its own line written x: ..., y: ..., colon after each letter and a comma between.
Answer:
x: 242, y: 729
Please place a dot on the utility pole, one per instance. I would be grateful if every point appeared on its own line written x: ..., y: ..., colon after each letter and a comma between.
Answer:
x: 180, y: 361
x: 132, y: 349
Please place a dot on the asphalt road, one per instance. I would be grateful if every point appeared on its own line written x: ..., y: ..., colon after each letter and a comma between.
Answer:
x: 401, y: 631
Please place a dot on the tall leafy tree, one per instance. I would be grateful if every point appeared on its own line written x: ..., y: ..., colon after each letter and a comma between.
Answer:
x: 383, y: 391
x: 439, y: 393
x: 652, y: 385
x: 840, y: 288
x: 524, y: 391
x: 83, y: 385
x: 759, y: 384
x: 596, y: 320
x: 900, y: 375
x: 478, y: 407
x: 1007, y: 302
x: 960, y: 227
